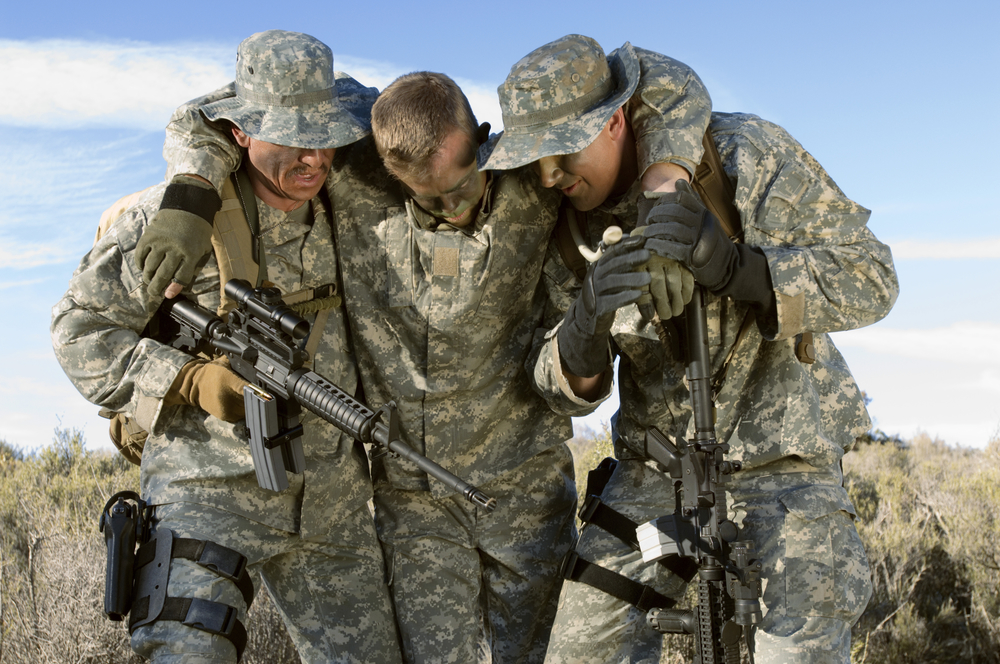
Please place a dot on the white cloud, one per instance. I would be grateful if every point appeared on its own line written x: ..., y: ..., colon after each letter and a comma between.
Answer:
x: 966, y: 342
x: 68, y: 84
x: 15, y: 284
x: 988, y: 247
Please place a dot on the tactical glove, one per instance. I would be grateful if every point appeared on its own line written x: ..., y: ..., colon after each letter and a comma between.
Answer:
x: 682, y: 228
x: 179, y: 234
x: 670, y: 287
x: 211, y: 386
x: 615, y: 280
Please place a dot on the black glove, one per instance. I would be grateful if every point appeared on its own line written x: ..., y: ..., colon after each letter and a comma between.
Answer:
x: 179, y: 235
x: 682, y: 228
x: 615, y: 280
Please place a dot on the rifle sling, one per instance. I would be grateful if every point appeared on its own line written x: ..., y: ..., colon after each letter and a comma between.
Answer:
x: 615, y: 523
x: 620, y: 587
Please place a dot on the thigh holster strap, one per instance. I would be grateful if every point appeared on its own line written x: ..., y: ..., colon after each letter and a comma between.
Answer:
x: 222, y: 560
x: 594, y: 511
x: 620, y: 587
x: 203, y: 614
x: 152, y: 574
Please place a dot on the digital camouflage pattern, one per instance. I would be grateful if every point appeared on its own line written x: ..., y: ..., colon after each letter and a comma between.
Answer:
x: 345, y: 618
x: 829, y: 273
x: 286, y: 93
x: 194, y: 460
x: 432, y: 551
x: 442, y: 319
x: 559, y: 97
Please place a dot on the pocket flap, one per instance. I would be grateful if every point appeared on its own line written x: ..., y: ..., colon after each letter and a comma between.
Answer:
x: 813, y: 502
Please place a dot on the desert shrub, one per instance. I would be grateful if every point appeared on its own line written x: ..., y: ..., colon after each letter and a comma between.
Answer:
x: 926, y: 513
x: 52, y: 561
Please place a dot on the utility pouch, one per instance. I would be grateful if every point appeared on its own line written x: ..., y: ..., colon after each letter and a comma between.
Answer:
x: 124, y: 526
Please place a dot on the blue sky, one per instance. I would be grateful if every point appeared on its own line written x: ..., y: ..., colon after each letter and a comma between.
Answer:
x: 895, y: 99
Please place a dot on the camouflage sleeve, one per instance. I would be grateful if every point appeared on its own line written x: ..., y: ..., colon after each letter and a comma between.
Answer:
x: 96, y: 328
x: 669, y: 112
x: 829, y: 271
x: 195, y: 146
x: 543, y: 365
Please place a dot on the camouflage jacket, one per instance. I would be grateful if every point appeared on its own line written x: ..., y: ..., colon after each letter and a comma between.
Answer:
x: 190, y: 455
x: 829, y: 274
x: 442, y: 318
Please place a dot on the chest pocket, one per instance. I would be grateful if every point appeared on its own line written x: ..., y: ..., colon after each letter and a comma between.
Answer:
x: 517, y: 253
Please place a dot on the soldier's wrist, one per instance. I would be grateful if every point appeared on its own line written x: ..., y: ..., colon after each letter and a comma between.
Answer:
x: 192, y: 195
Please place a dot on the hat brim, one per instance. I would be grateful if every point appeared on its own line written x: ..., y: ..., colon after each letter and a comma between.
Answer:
x: 318, y: 126
x: 517, y: 148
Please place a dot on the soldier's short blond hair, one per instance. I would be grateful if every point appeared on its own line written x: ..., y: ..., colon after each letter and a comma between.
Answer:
x: 413, y: 116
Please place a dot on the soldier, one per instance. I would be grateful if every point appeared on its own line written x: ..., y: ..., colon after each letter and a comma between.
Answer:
x: 806, y: 263
x: 313, y: 545
x: 441, y: 289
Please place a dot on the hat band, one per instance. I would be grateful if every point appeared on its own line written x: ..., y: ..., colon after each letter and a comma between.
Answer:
x: 301, y: 99
x: 571, y: 108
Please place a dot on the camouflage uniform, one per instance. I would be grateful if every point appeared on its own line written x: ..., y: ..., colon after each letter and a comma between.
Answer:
x: 788, y: 422
x: 442, y: 319
x: 314, y: 544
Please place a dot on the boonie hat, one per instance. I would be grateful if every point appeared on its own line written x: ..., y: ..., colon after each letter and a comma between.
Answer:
x: 559, y: 97
x: 286, y: 93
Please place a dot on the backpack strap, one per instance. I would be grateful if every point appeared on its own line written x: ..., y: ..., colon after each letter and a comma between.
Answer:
x: 716, y: 190
x: 236, y: 237
x: 566, y: 242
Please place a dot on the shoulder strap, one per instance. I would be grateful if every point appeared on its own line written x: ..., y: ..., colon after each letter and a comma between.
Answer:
x: 235, y: 237
x: 716, y: 190
x: 566, y: 243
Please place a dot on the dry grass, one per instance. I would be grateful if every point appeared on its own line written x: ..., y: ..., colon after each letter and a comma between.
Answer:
x: 926, y: 512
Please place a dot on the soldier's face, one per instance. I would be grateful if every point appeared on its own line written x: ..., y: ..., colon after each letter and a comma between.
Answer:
x: 588, y: 177
x: 451, y: 186
x: 285, y: 177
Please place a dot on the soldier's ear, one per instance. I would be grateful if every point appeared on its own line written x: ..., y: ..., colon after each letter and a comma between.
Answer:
x: 616, y: 123
x: 483, y: 133
x: 241, y: 139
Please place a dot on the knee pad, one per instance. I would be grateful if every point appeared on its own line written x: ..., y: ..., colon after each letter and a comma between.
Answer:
x: 152, y: 573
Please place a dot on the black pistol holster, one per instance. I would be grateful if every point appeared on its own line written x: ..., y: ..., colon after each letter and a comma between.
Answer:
x: 136, y: 579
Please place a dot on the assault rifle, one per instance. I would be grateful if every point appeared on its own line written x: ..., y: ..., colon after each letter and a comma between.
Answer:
x: 729, y: 586
x: 262, y: 340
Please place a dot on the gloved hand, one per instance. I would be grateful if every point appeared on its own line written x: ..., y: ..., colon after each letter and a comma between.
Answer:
x: 211, y: 386
x: 615, y: 280
x: 179, y: 234
x: 670, y: 288
x: 679, y: 226
x: 682, y: 228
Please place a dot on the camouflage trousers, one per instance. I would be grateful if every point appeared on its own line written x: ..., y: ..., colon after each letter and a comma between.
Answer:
x: 463, y: 580
x: 815, y: 572
x: 331, y: 595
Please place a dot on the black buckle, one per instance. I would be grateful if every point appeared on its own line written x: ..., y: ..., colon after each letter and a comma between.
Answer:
x: 211, y: 617
x: 222, y: 560
x: 590, y: 505
x: 568, y: 566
